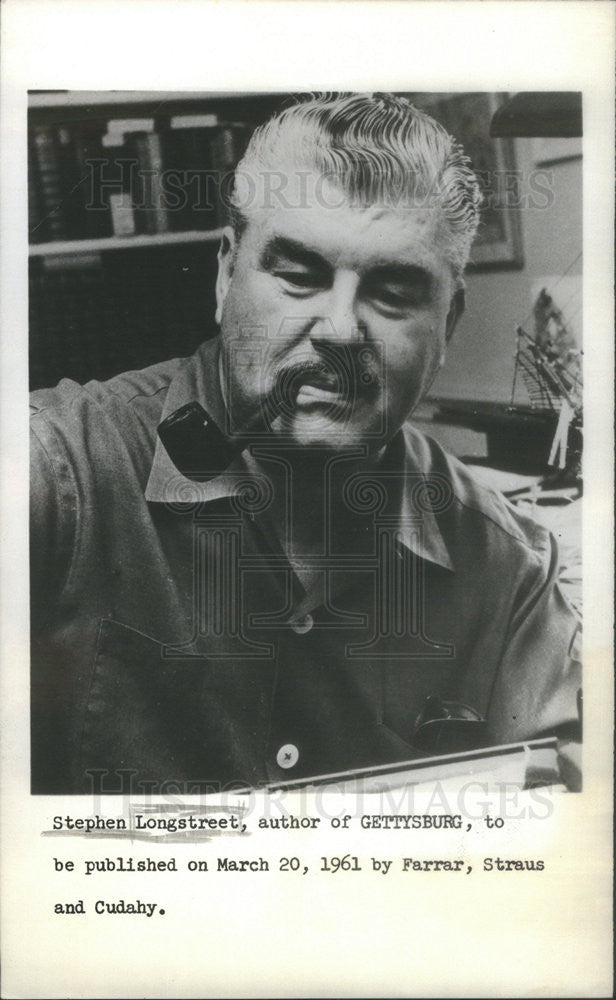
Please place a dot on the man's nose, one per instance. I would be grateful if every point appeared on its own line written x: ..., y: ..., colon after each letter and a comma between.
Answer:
x: 339, y: 319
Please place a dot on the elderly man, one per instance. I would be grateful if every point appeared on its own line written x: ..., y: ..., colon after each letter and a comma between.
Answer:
x: 246, y: 565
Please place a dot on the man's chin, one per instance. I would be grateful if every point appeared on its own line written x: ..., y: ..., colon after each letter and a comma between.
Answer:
x: 320, y: 434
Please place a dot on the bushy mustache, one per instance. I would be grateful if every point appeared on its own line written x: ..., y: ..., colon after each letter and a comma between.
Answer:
x: 343, y: 371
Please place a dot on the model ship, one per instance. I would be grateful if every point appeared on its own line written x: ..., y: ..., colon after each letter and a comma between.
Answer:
x: 551, y: 367
x: 543, y: 435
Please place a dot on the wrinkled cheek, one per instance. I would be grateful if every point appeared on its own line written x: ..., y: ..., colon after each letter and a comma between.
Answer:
x: 252, y: 334
x: 404, y: 386
x: 243, y: 348
x: 238, y: 323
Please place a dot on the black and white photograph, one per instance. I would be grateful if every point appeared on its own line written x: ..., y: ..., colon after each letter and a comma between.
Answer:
x: 290, y: 552
x: 312, y: 460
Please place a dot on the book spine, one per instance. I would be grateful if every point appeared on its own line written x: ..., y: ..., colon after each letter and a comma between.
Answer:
x: 92, y: 215
x: 227, y: 148
x: 112, y: 186
x: 37, y: 227
x: 69, y: 184
x: 47, y: 157
x: 66, y: 334
x: 151, y: 213
x: 188, y: 178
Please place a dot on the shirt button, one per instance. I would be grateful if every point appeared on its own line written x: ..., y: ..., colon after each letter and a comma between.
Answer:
x: 302, y: 625
x: 287, y: 756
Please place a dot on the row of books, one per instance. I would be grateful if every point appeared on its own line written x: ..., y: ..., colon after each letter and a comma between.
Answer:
x: 122, y: 177
x: 96, y: 314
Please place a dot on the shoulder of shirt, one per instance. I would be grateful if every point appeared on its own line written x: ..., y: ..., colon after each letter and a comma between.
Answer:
x: 89, y: 431
x: 128, y: 388
x: 474, y: 501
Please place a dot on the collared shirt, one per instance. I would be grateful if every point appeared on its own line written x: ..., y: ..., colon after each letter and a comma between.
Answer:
x: 175, y: 647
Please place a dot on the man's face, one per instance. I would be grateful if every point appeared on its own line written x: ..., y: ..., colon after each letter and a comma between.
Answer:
x: 338, y: 314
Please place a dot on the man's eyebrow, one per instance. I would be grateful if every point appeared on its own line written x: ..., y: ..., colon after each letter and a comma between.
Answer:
x: 404, y: 274
x: 282, y: 246
x: 382, y: 270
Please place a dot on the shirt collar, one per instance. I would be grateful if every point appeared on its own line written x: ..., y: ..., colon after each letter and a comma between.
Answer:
x: 424, y: 493
x: 411, y: 506
x: 197, y: 379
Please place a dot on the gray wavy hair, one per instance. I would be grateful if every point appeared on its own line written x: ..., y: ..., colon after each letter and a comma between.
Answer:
x: 377, y: 148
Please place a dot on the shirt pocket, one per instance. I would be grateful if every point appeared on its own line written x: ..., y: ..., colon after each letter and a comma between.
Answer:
x: 408, y: 684
x: 422, y: 706
x: 159, y: 719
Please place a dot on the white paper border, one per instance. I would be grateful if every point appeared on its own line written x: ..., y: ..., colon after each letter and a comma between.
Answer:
x: 262, y: 938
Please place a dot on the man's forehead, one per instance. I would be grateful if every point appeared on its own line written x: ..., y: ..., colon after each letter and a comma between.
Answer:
x: 308, y: 208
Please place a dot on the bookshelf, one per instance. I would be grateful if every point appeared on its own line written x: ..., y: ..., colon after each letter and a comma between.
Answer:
x: 121, y: 275
x: 64, y: 247
x: 80, y: 99
x: 126, y: 279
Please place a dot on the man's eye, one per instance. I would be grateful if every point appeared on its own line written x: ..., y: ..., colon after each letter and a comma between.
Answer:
x: 304, y: 280
x: 397, y: 298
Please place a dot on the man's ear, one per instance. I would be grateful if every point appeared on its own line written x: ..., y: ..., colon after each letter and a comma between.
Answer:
x: 456, y: 308
x: 226, y: 258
